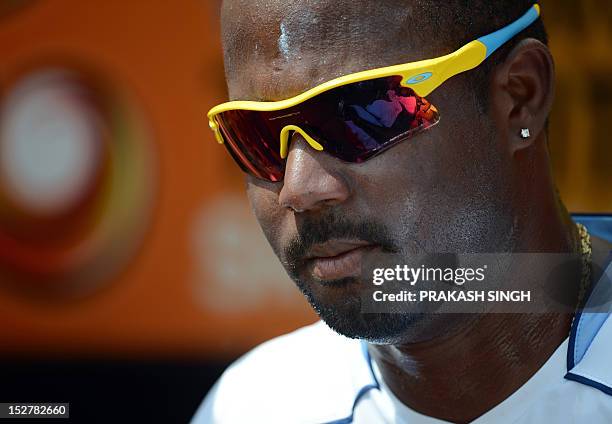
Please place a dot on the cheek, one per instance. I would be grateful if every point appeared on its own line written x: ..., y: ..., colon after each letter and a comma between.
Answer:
x: 429, y: 190
x: 404, y: 176
x: 263, y: 198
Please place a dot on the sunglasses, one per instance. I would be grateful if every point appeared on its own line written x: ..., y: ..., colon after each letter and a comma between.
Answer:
x: 354, y: 117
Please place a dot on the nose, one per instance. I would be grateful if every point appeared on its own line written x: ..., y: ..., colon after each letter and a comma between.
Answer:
x: 312, y: 180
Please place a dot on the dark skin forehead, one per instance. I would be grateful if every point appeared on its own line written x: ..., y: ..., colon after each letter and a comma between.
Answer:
x: 275, y: 49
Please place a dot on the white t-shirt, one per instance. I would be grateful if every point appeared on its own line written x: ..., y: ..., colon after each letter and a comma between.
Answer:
x: 315, y: 375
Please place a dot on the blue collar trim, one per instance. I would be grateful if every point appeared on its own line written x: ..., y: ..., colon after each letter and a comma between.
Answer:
x: 364, y: 389
x: 366, y: 355
x: 586, y: 325
x: 585, y: 328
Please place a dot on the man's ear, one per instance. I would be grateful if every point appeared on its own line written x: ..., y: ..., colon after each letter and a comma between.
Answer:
x: 522, y: 92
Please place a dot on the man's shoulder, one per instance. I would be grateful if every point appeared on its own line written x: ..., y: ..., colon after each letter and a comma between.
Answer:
x: 297, y: 374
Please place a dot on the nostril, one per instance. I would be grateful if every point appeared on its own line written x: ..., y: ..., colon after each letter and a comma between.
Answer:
x: 292, y: 203
x: 297, y: 210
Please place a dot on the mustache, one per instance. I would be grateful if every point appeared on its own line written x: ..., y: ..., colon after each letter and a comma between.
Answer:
x: 334, y: 225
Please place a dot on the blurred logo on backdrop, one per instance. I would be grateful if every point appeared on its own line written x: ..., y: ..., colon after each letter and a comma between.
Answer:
x: 76, y: 169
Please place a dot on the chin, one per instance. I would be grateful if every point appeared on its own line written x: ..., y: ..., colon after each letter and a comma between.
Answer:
x: 376, y: 328
x: 338, y: 304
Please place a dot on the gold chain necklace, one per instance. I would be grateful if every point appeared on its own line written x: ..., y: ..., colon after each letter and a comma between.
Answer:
x: 586, y: 254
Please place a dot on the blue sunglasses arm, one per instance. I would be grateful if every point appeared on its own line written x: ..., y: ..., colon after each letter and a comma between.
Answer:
x: 494, y: 40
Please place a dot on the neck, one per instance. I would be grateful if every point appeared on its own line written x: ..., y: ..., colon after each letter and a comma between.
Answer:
x: 461, y: 376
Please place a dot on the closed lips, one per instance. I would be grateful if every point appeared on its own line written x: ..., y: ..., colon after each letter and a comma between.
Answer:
x: 335, y: 260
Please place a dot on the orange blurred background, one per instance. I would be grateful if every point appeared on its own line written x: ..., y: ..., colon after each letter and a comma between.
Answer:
x: 121, y: 230
x: 171, y: 293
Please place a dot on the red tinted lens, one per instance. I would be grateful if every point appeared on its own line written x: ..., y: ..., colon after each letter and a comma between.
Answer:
x: 253, y: 142
x: 357, y: 121
x: 353, y: 123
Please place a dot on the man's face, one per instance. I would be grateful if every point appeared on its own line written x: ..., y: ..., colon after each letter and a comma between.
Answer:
x: 331, y: 222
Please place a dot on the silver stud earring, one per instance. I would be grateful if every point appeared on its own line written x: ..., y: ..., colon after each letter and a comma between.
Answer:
x: 525, y: 133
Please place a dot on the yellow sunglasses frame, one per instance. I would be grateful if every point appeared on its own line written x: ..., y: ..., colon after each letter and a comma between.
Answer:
x: 422, y: 77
